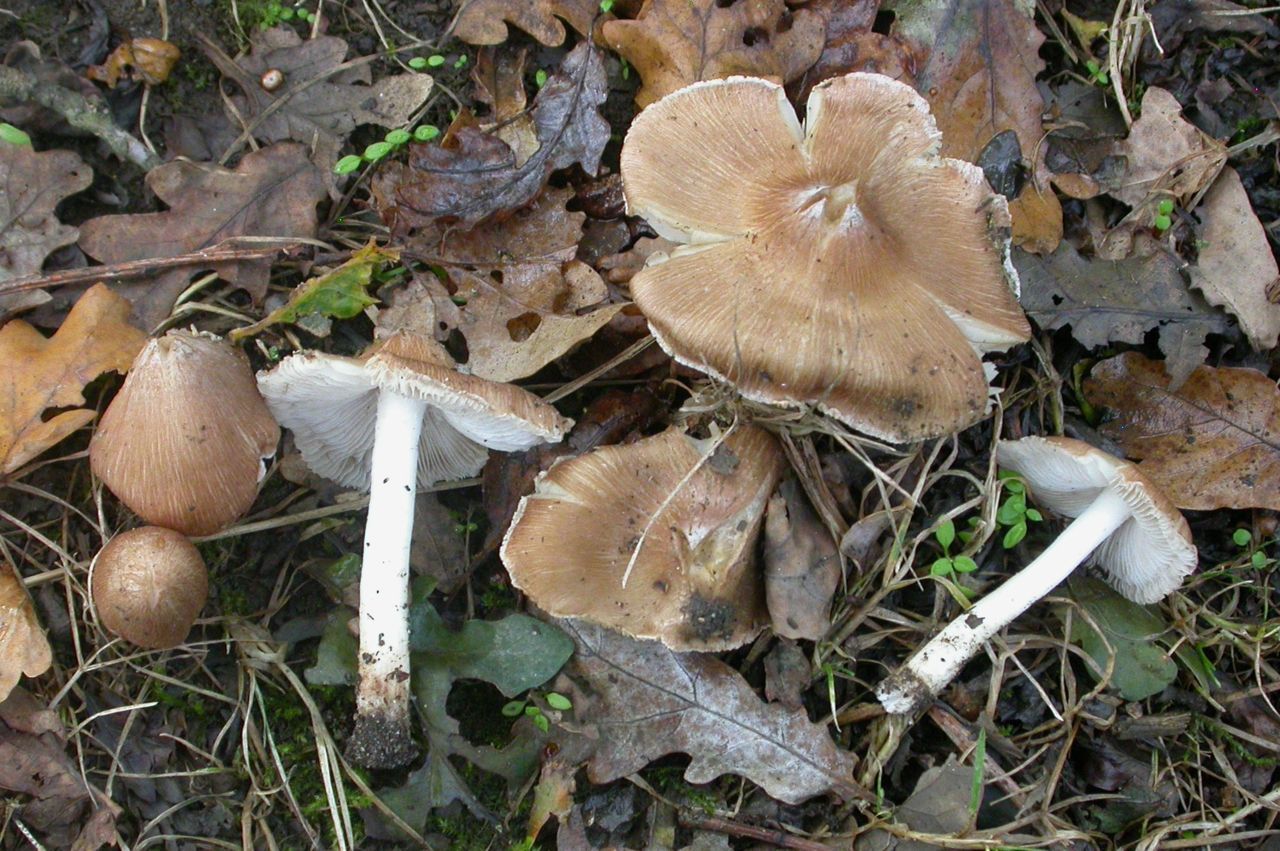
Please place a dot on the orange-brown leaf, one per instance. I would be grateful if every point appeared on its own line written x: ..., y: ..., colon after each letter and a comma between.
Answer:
x: 485, y: 21
x: 39, y: 373
x: 1212, y: 443
x: 673, y: 43
x: 23, y: 647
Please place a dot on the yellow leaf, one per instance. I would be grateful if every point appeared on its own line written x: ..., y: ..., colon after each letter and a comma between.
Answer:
x: 39, y: 373
x: 23, y: 647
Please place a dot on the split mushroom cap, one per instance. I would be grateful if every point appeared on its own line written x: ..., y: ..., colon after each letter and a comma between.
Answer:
x: 148, y: 585
x: 330, y: 403
x: 694, y: 584
x: 1122, y: 520
x: 886, y: 263
x: 397, y: 417
x: 183, y: 442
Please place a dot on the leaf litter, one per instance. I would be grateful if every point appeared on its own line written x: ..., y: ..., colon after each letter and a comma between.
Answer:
x: 525, y: 278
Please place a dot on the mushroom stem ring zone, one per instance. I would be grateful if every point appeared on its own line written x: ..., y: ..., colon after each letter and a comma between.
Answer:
x: 382, y: 696
x: 938, y: 662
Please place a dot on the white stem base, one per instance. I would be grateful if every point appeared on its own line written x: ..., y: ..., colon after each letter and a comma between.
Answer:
x: 938, y: 662
x: 382, y: 737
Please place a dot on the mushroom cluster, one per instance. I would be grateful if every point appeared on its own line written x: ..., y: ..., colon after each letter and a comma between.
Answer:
x: 1129, y: 527
x: 840, y: 264
x: 397, y: 418
x: 183, y: 445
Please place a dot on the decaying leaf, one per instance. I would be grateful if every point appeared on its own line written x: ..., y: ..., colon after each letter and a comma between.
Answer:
x: 273, y: 192
x: 1168, y: 157
x: 620, y: 268
x: 673, y: 43
x: 475, y: 175
x: 439, y: 544
x: 1127, y: 633
x: 338, y: 294
x: 851, y: 45
x: 147, y: 59
x: 977, y: 61
x: 31, y: 186
x: 1236, y: 266
x: 39, y: 373
x: 1119, y: 301
x: 319, y: 101
x: 514, y: 291
x: 1211, y: 443
x: 651, y: 701
x: 801, y: 566
x: 499, y: 82
x: 24, y: 650
x: 485, y: 21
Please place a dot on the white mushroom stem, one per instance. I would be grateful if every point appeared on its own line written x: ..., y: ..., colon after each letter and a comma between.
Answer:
x: 938, y: 662
x: 382, y: 736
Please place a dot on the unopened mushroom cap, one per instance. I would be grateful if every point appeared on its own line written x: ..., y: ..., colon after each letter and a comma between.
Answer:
x: 148, y: 586
x: 330, y: 403
x: 1151, y: 553
x: 885, y: 263
x: 183, y: 442
x: 694, y: 585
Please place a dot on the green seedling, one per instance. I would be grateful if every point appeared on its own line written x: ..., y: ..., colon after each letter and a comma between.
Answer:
x: 1014, y: 514
x: 426, y: 132
x: 1164, y: 215
x: 392, y: 142
x: 417, y: 63
x: 555, y: 700
x: 1243, y: 539
x: 14, y: 136
x: 435, y: 60
x: 950, y: 565
x: 1096, y: 74
x: 540, y: 78
x: 462, y: 62
x: 606, y: 6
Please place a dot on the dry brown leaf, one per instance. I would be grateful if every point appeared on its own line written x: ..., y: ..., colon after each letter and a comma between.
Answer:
x: 499, y: 79
x: 147, y: 59
x: 851, y: 45
x: 977, y: 61
x: 485, y: 21
x: 515, y: 292
x: 1236, y: 266
x: 39, y: 373
x: 273, y: 192
x: 1210, y: 444
x: 24, y: 650
x: 472, y: 175
x: 801, y: 566
x: 1167, y: 156
x: 318, y: 104
x: 31, y: 186
x: 651, y: 701
x: 621, y: 268
x: 673, y: 43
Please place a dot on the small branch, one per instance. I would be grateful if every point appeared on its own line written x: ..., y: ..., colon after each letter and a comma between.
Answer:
x: 777, y: 838
x: 76, y: 110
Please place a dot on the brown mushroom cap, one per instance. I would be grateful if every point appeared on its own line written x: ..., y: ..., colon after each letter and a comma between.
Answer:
x: 330, y: 403
x: 182, y: 444
x: 148, y: 585
x: 886, y: 264
x: 1151, y: 553
x: 694, y: 585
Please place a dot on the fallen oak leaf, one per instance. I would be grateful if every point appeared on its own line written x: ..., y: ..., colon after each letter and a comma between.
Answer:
x: 486, y: 21
x: 1214, y: 442
x: 24, y: 650
x: 481, y: 176
x: 977, y: 61
x: 650, y: 701
x: 273, y: 192
x: 31, y: 186
x: 1119, y: 301
x: 1236, y: 267
x: 319, y: 99
x: 673, y: 43
x: 1167, y: 156
x: 801, y: 565
x: 39, y: 373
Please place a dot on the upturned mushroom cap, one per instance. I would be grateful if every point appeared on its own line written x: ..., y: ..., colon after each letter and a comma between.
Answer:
x: 694, y: 585
x: 886, y: 264
x: 330, y: 402
x: 1151, y: 553
x: 148, y: 585
x: 183, y: 442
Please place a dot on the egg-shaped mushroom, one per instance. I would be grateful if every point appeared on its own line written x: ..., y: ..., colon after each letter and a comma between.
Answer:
x: 148, y: 585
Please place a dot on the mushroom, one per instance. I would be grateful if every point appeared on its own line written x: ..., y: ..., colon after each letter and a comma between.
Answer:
x: 886, y: 264
x: 398, y: 417
x: 1135, y: 533
x: 148, y: 585
x: 183, y: 442
x: 680, y: 515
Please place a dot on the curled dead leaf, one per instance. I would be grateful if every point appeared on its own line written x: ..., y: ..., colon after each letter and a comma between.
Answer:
x: 147, y: 59
x: 801, y: 566
x: 24, y: 650
x: 486, y: 21
x: 1211, y: 443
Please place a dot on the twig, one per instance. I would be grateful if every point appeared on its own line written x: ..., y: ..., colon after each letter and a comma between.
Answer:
x: 778, y: 838
x: 76, y: 110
